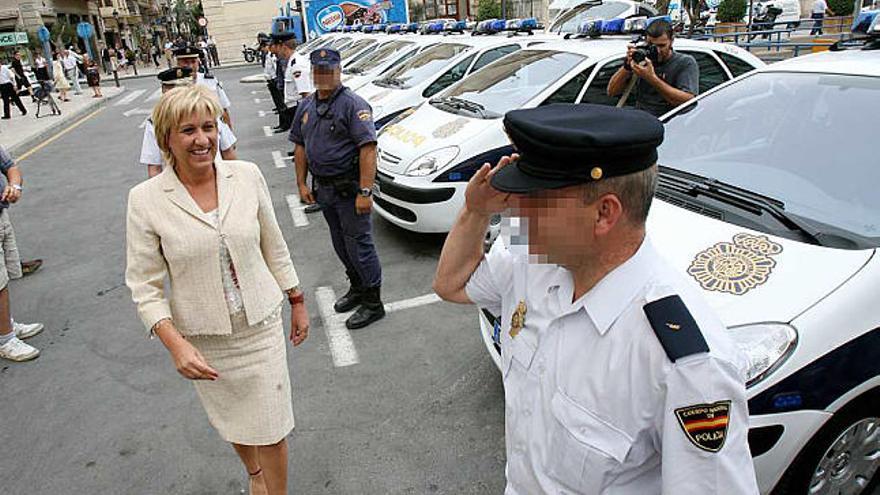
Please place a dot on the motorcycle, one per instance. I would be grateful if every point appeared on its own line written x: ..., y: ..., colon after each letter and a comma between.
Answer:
x: 764, y: 19
x: 250, y: 54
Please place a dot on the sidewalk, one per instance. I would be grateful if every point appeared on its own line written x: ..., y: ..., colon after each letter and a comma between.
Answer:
x: 20, y: 133
x: 151, y: 70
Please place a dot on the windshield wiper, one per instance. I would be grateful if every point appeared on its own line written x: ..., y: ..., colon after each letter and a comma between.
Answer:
x: 393, y: 82
x: 470, y: 106
x: 354, y: 70
x: 694, y: 185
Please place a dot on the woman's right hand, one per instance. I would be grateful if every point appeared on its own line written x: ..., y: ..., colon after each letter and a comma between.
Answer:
x: 190, y: 363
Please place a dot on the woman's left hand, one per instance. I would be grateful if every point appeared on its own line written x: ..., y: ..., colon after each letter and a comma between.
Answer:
x: 299, y: 324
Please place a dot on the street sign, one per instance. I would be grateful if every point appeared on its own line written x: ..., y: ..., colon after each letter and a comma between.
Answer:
x: 10, y: 39
x: 203, y: 22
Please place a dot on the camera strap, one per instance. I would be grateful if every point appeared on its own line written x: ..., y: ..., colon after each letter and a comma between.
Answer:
x: 629, y: 87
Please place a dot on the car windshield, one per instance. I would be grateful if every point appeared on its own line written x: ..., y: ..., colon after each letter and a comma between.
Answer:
x: 339, y: 43
x: 510, y: 82
x: 355, y: 48
x: 807, y: 140
x: 570, y: 21
x: 311, y: 45
x: 377, y: 58
x: 422, y: 66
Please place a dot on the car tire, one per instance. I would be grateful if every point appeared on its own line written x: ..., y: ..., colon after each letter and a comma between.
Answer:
x: 798, y: 478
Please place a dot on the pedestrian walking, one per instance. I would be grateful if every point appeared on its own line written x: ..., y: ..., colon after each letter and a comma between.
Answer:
x: 204, y: 55
x: 41, y: 68
x: 151, y: 155
x: 93, y: 76
x: 12, y: 333
x: 61, y: 82
x: 188, y: 56
x: 70, y: 61
x: 820, y: 8
x: 618, y: 377
x: 221, y: 325
x: 335, y: 140
x: 169, y: 51
x: 21, y: 79
x: 9, y: 91
x: 212, y: 49
x: 154, y: 53
x: 122, y: 59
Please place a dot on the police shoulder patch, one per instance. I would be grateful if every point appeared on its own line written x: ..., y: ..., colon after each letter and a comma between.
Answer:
x: 675, y: 327
x: 364, y: 115
x: 705, y: 425
x: 297, y: 73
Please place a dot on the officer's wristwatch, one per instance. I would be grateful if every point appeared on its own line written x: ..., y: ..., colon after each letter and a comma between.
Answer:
x: 365, y: 192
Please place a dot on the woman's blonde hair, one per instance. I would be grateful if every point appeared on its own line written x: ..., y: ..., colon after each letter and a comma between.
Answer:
x: 176, y: 105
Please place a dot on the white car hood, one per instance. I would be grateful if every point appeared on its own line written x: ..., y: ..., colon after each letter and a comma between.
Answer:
x: 429, y: 129
x: 748, y: 276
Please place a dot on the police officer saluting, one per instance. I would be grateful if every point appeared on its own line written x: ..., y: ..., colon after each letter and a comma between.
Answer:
x: 618, y: 376
x: 151, y: 155
x: 188, y: 56
x: 335, y: 140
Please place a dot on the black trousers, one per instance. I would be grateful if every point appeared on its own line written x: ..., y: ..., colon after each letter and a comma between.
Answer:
x: 287, y: 117
x: 7, y: 91
x: 277, y: 100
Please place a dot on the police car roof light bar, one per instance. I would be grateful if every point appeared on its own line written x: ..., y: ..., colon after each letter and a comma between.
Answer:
x: 368, y: 29
x: 412, y: 27
x: 612, y: 26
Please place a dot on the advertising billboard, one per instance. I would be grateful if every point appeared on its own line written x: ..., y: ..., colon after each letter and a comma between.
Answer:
x: 323, y: 16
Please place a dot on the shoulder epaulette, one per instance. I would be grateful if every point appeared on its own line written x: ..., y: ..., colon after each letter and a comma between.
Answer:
x: 676, y: 329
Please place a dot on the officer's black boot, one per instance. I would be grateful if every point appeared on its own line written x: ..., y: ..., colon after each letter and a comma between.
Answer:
x: 352, y: 298
x: 371, y: 310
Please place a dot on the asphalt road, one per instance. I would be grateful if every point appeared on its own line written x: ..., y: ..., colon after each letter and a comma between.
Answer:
x: 103, y: 411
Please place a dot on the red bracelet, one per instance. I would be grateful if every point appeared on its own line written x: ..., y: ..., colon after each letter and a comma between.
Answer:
x: 297, y: 299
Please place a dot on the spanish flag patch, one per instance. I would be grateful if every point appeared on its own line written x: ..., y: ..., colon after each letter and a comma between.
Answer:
x: 705, y: 425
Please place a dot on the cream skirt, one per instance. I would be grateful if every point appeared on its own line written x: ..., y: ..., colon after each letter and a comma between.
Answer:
x: 250, y: 404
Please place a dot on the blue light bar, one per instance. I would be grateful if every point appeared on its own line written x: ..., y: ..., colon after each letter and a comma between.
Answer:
x: 529, y: 23
x: 512, y: 25
x: 612, y: 26
x: 346, y: 29
x: 358, y: 28
x: 862, y: 24
x: 591, y: 28
x: 456, y: 26
x: 394, y: 28
x: 498, y: 25
x: 368, y: 29
x: 412, y: 27
x: 380, y: 28
x: 435, y: 27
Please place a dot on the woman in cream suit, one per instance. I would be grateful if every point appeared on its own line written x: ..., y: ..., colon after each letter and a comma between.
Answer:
x: 209, y: 228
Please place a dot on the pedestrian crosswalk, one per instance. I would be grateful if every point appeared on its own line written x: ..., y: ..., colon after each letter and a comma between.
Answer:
x: 129, y: 98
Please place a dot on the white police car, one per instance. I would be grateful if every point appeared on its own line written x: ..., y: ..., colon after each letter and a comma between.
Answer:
x: 392, y: 51
x: 427, y: 156
x: 438, y: 67
x: 767, y: 201
x: 572, y: 17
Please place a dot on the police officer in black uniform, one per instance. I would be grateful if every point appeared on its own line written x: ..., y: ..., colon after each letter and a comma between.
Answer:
x: 335, y: 141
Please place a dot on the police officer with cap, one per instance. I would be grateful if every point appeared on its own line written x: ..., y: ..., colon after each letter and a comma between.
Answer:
x: 618, y: 376
x: 151, y: 155
x: 188, y: 56
x: 335, y: 140
x: 297, y: 80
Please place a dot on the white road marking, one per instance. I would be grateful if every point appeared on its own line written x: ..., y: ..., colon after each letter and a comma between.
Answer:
x: 279, y: 159
x: 257, y: 101
x: 342, y: 348
x: 413, y: 302
x: 268, y: 131
x: 259, y: 92
x: 143, y: 124
x: 136, y: 111
x: 130, y: 98
x: 296, y: 210
x: 262, y: 113
x: 154, y: 95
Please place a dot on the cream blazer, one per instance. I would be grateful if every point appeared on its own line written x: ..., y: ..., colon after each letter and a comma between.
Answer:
x: 169, y: 236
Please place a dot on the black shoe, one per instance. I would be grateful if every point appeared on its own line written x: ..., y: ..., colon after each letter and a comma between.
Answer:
x: 290, y: 153
x: 349, y: 301
x: 371, y: 310
x: 313, y: 208
x: 282, y: 130
x: 278, y: 127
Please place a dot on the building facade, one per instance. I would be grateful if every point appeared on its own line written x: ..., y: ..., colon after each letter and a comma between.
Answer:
x: 233, y: 23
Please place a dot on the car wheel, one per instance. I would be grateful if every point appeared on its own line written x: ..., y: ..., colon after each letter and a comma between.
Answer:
x: 842, y: 459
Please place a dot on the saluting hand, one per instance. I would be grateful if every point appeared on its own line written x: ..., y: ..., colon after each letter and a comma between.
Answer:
x: 480, y: 196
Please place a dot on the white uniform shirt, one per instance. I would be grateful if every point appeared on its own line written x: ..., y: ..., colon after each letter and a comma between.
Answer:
x: 214, y: 85
x: 69, y: 62
x: 297, y: 80
x: 819, y: 7
x: 591, y: 395
x: 6, y: 76
x: 269, y: 66
x: 152, y: 155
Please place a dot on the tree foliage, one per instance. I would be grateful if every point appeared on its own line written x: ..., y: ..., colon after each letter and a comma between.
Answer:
x: 488, y: 9
x: 841, y: 7
x: 732, y: 10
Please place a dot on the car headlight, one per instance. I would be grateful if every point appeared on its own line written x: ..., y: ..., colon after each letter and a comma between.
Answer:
x: 766, y: 345
x: 431, y: 162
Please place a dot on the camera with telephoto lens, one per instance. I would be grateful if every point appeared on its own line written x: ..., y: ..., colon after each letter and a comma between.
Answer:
x: 645, y: 50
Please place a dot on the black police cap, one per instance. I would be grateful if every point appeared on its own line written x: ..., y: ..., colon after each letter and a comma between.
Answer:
x: 176, y: 75
x: 325, y: 58
x: 188, y: 51
x: 282, y: 37
x: 563, y: 145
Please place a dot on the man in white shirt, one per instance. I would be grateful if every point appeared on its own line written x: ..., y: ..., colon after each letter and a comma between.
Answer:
x: 8, y: 90
x: 618, y: 376
x: 69, y: 61
x: 820, y: 8
x: 188, y: 56
x: 151, y: 155
x: 297, y: 79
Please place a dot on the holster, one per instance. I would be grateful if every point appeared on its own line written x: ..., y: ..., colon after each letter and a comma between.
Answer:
x: 345, y: 185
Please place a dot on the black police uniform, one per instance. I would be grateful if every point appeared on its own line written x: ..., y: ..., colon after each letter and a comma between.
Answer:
x: 332, y: 132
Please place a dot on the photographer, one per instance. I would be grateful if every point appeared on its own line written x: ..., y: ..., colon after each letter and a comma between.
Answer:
x: 666, y: 78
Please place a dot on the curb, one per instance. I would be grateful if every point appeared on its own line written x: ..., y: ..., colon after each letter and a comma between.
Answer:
x: 66, y: 120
